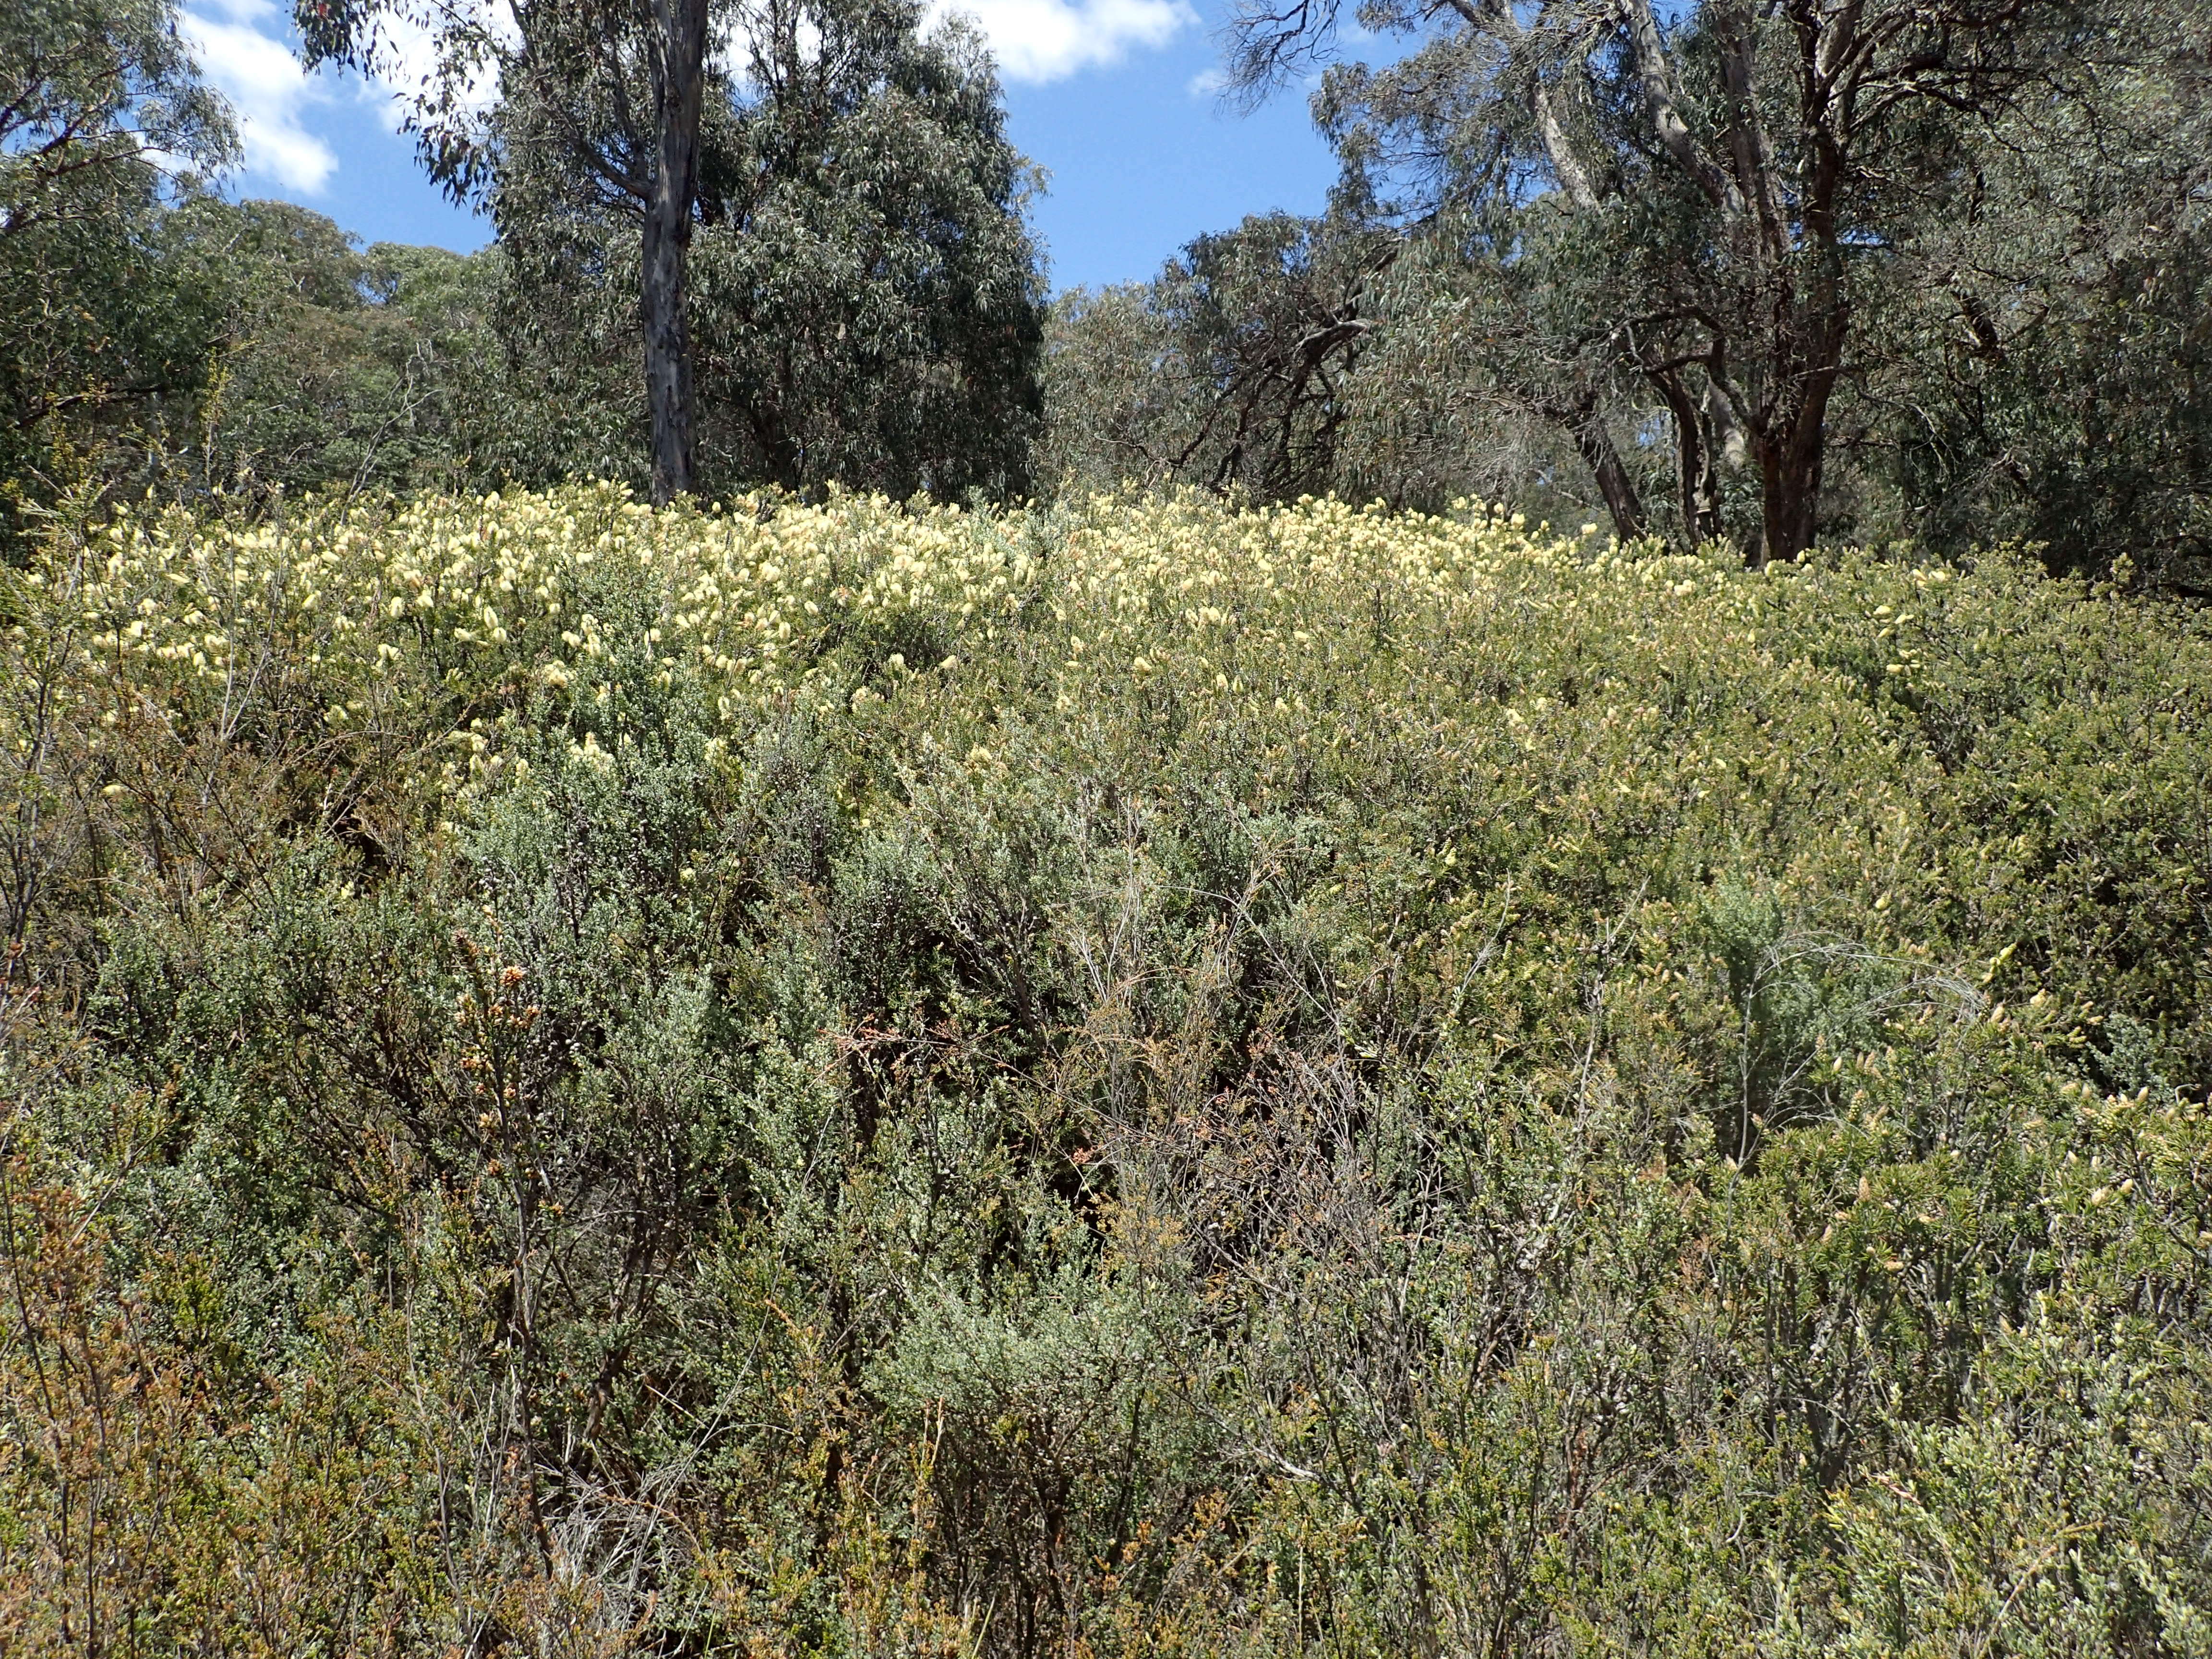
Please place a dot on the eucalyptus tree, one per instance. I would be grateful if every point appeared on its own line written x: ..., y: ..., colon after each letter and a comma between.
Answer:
x: 347, y: 369
x: 1116, y: 404
x: 813, y: 201
x: 104, y: 124
x: 1276, y: 316
x: 1485, y: 379
x: 100, y: 104
x: 1708, y: 187
x: 608, y: 93
x: 869, y: 306
x: 2047, y: 376
x: 1232, y: 369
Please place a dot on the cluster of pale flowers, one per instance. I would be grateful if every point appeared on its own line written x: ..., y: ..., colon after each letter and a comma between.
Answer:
x: 375, y: 602
x: 738, y: 590
x: 746, y: 591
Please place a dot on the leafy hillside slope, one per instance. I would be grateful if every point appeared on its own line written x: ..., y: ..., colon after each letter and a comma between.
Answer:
x: 1127, y: 1080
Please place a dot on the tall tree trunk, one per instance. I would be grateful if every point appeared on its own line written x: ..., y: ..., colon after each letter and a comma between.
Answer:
x: 679, y: 94
x: 781, y: 458
x: 1585, y: 422
x: 1697, y: 483
x: 1790, y: 463
x: 1791, y: 441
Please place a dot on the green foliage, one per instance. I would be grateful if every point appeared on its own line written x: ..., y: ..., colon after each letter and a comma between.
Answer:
x: 109, y: 323
x: 867, y: 303
x: 1230, y: 371
x: 1129, y: 1079
x: 2051, y: 362
x: 1643, y: 265
x: 349, y: 369
x: 842, y: 278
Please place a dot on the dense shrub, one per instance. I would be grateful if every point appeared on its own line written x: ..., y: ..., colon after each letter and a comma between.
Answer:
x: 1124, y: 1079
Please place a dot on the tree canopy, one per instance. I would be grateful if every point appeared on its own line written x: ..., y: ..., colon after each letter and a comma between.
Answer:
x: 1726, y: 174
x: 1770, y: 275
x: 840, y: 176
x: 109, y: 316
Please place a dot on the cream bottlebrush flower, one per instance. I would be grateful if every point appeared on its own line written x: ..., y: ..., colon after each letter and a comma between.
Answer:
x: 770, y: 597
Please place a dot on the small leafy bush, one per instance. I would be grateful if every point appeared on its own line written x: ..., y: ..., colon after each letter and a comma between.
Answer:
x: 1123, y: 1079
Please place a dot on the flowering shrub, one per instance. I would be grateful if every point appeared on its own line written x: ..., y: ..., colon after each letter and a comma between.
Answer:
x: 1119, y: 1078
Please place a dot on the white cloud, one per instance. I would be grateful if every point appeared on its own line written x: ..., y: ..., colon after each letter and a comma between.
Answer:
x: 1041, y: 41
x: 1206, y: 83
x: 240, y: 46
x: 245, y: 48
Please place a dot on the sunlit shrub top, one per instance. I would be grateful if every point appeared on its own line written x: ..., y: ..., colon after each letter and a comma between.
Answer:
x: 1067, y: 999
x: 401, y: 613
x: 1913, y: 742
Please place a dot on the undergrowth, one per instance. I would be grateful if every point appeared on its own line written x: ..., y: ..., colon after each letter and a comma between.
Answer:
x: 1124, y: 1079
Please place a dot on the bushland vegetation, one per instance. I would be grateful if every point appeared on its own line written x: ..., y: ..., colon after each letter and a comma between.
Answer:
x: 849, y: 294
x: 717, y: 938
x: 1127, y: 1078
x: 1776, y: 276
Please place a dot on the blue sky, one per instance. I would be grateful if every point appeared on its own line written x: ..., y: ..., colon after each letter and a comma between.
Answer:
x: 1113, y: 98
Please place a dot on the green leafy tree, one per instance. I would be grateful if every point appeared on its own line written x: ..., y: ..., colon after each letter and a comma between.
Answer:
x: 104, y: 124
x: 1292, y: 356
x: 814, y: 204
x: 607, y: 95
x: 1494, y: 370
x: 1231, y: 370
x: 869, y: 306
x: 390, y: 367
x: 1727, y: 176
x: 1112, y: 414
x: 2048, y: 371
x: 1474, y: 387
x: 865, y: 302
x: 327, y: 381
